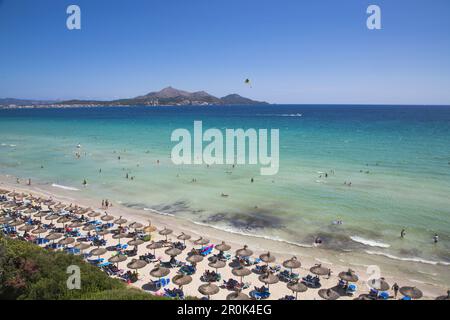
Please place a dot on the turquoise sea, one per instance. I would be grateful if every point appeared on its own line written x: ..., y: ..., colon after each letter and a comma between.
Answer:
x: 396, y: 157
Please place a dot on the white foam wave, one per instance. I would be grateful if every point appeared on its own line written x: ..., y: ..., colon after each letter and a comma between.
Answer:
x: 64, y: 187
x: 159, y: 212
x: 368, y: 242
x: 387, y: 255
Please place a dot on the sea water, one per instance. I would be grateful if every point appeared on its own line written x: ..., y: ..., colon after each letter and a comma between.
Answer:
x: 397, y: 159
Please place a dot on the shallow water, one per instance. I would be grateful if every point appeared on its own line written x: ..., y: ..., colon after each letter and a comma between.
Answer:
x: 397, y: 158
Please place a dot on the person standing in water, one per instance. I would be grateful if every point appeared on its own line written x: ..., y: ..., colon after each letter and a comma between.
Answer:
x: 84, y: 182
x: 395, y: 288
x: 436, y: 238
x: 403, y: 233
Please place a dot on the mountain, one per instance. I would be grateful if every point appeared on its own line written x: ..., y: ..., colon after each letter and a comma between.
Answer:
x: 167, y: 96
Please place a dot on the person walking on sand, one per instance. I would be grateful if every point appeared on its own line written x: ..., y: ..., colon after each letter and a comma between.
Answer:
x: 395, y: 287
x: 29, y: 182
x: 403, y: 233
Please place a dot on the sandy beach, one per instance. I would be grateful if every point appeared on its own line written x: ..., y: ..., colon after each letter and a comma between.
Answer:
x: 391, y: 270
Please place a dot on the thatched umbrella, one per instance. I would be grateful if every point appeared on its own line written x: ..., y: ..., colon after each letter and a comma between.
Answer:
x: 183, y: 237
x: 217, y: 264
x: 63, y: 220
x: 52, y: 217
x: 319, y: 270
x: 94, y: 214
x: 135, y: 242
x: 292, y: 263
x: 38, y: 231
x: 120, y: 235
x: 98, y: 252
x: 237, y: 296
x: 102, y: 233
x: 201, y: 241
x: 136, y: 264
x: 379, y: 284
x: 150, y: 228
x: 267, y: 258
x: 136, y: 225
x: 118, y: 258
x: 82, y: 246
x: 223, y: 247
x: 194, y: 259
x: 244, y: 252
x: 297, y: 287
x: 153, y: 246
x: 26, y: 228
x: 120, y: 221
x: 75, y: 224
x: 181, y: 280
x: 241, y: 272
x: 349, y: 276
x: 66, y: 241
x: 89, y: 227
x: 16, y: 223
x: 5, y: 219
x: 107, y: 217
x: 159, y: 272
x: 411, y: 292
x: 53, y: 236
x: 165, y: 232
x: 40, y: 215
x: 328, y: 294
x: 268, y: 279
x: 173, y: 252
x: 444, y: 297
x: 208, y: 289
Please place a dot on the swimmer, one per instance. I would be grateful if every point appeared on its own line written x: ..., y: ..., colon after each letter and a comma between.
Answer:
x: 84, y: 182
x: 403, y: 233
x: 224, y: 195
x: 252, y: 180
x: 436, y: 238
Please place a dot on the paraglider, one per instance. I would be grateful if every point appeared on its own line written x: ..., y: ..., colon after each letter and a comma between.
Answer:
x: 248, y: 82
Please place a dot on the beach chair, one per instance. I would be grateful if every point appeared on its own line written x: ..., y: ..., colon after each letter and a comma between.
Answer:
x: 351, y: 289
x: 383, y: 295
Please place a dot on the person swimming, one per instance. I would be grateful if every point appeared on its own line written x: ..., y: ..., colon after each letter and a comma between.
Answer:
x: 403, y: 233
x: 436, y: 238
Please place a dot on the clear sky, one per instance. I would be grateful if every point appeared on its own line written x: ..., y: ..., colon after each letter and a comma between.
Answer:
x: 294, y: 51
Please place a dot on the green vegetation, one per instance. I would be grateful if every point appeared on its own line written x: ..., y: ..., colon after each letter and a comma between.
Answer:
x: 30, y: 272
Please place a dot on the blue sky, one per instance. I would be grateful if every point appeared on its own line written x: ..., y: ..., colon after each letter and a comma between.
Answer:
x: 294, y: 51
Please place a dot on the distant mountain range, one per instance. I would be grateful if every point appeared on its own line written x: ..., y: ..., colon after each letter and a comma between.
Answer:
x: 167, y: 96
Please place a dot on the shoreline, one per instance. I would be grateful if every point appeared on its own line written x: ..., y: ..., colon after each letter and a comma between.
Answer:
x: 394, y: 270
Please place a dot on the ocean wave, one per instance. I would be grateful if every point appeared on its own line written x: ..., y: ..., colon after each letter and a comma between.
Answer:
x: 64, y: 187
x: 368, y: 242
x: 280, y: 115
x: 420, y: 260
x: 159, y: 212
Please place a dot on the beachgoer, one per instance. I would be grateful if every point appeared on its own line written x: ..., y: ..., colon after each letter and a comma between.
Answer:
x: 252, y: 180
x: 395, y: 287
x: 403, y: 233
x: 436, y: 238
x: 84, y: 182
x: 29, y: 182
x: 17, y: 180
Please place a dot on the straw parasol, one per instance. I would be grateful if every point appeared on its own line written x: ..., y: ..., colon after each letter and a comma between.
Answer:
x: 52, y: 217
x: 165, y: 232
x: 26, y: 228
x: 53, y: 236
x: 120, y: 221
x: 183, y: 237
x: 268, y: 279
x: 118, y: 258
x: 379, y: 284
x: 328, y: 294
x: 208, y: 289
x: 75, y: 224
x: 173, y: 252
x: 89, y: 227
x: 154, y: 245
x: 135, y: 242
x: 319, y: 270
x: 348, y: 275
x: 194, y: 259
x: 136, y: 225
x: 103, y: 232
x: 244, y: 252
x: 241, y: 272
x: 159, y: 272
x: 217, y: 264
x: 81, y: 246
x: 292, y: 263
x: 411, y: 292
x: 223, y: 247
x: 16, y: 223
x: 38, y: 231
x: 297, y: 287
x: 94, y: 214
x: 107, y: 217
x: 150, y: 228
x: 5, y: 219
x: 66, y: 241
x: 238, y: 296
x: 63, y: 220
x: 181, y: 280
x: 136, y: 264
x: 267, y: 258
x: 120, y: 235
x: 98, y: 252
x: 201, y: 241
